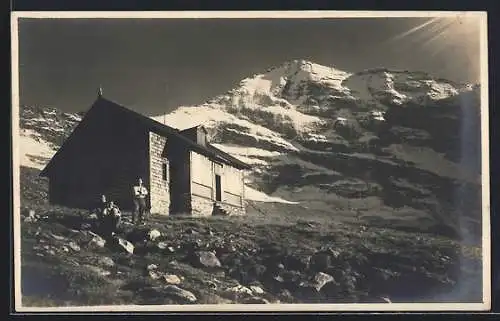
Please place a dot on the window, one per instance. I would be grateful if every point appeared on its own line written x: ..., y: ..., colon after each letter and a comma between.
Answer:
x: 164, y: 170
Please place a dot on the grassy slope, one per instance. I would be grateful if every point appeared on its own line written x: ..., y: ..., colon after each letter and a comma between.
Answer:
x: 366, y: 262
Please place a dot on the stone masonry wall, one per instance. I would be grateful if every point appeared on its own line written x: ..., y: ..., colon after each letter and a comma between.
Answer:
x: 159, y: 188
x: 201, y: 206
x: 232, y: 210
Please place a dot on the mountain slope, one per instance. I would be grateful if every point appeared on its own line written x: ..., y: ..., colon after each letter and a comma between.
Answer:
x: 378, y: 147
x: 397, y: 145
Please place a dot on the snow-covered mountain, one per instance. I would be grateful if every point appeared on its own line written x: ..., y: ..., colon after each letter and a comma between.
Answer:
x: 379, y: 145
x: 42, y: 132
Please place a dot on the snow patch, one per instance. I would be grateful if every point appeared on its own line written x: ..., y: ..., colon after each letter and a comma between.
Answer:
x: 34, y: 151
x: 255, y: 195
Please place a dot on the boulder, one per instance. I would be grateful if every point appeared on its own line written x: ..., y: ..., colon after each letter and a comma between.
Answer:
x: 177, y: 292
x: 240, y: 289
x: 123, y: 245
x: 75, y: 247
x: 162, y: 245
x: 97, y: 240
x: 206, y: 259
x: 153, y: 234
x: 172, y: 279
x: 154, y: 275
x: 320, y: 279
x: 152, y: 267
x: 256, y: 289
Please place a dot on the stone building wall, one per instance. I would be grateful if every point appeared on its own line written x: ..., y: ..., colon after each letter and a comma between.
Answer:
x: 159, y: 188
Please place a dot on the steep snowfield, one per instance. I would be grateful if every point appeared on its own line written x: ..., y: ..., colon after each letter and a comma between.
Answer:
x: 212, y: 116
x: 399, y: 87
x: 34, y: 151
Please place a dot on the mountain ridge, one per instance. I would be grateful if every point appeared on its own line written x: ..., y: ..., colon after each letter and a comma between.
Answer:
x: 376, y: 141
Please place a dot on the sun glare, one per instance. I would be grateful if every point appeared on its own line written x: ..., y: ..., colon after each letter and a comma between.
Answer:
x: 460, y: 32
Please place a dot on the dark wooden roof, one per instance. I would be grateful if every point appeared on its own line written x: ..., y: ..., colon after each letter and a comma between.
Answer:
x: 164, y: 130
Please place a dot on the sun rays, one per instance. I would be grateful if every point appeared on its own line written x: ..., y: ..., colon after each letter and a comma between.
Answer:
x: 453, y: 35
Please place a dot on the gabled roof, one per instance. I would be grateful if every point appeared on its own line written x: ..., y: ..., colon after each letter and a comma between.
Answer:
x: 164, y: 130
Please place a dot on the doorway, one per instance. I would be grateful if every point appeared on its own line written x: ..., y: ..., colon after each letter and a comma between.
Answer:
x: 218, y: 188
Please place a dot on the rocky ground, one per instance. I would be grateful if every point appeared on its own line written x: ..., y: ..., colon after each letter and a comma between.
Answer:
x: 253, y: 259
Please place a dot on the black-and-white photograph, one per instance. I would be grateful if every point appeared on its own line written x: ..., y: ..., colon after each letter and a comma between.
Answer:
x: 250, y: 161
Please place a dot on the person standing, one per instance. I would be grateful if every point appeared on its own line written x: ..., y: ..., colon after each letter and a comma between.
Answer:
x: 140, y: 193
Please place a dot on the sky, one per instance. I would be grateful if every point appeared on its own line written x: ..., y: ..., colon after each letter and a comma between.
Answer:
x: 155, y: 65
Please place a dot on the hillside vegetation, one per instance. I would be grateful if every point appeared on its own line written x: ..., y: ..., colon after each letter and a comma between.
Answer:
x: 255, y: 259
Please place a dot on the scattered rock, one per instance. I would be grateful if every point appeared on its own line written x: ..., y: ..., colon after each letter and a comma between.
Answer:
x: 172, y: 279
x: 75, y: 247
x: 125, y: 245
x: 207, y: 259
x: 97, y: 240
x: 153, y: 234
x: 211, y: 284
x: 64, y: 249
x: 185, y: 295
x: 57, y: 237
x: 320, y: 279
x: 286, y: 295
x: 154, y: 275
x: 256, y: 289
x: 240, y: 289
x: 31, y: 218
x: 93, y: 217
x: 85, y: 226
x: 106, y: 261
x: 256, y: 300
x: 171, y: 249
x: 152, y: 267
x: 192, y: 231
x: 162, y: 245
x: 279, y: 278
